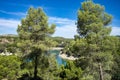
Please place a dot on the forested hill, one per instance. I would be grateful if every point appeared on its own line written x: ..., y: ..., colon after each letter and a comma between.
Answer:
x: 8, y: 40
x: 58, y: 39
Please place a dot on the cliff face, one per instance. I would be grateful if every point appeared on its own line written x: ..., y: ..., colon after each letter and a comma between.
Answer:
x: 2, y: 41
x: 8, y: 38
x: 7, y: 43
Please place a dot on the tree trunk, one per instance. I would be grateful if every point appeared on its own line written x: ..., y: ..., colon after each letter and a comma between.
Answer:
x: 35, y: 67
x: 100, y: 72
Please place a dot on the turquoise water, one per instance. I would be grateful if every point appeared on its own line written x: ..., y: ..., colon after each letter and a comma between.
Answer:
x: 59, y: 60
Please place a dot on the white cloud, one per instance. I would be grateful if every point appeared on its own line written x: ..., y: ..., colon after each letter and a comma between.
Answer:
x: 67, y: 31
x: 13, y: 13
x: 9, y: 23
x: 63, y: 21
x: 115, y: 31
x: 65, y: 27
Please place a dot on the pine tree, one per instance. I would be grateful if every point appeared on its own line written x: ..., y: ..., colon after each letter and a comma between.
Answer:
x: 33, y: 33
x: 93, y: 30
x: 116, y: 67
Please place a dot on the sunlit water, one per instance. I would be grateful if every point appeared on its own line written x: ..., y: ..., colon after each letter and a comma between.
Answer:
x: 59, y: 60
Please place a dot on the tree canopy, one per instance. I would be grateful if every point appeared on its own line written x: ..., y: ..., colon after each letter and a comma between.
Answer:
x: 93, y: 43
x: 33, y: 33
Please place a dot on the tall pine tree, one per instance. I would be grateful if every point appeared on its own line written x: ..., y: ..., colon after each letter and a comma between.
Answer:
x: 93, y: 30
x: 33, y: 33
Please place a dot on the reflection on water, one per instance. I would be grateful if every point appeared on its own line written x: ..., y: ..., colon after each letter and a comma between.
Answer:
x: 58, y: 58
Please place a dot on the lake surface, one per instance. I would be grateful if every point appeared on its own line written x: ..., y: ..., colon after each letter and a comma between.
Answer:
x: 59, y: 60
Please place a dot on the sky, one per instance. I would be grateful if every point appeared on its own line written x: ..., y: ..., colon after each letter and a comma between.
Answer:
x: 61, y: 12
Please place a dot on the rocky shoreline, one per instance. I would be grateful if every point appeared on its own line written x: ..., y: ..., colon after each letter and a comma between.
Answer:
x: 65, y: 56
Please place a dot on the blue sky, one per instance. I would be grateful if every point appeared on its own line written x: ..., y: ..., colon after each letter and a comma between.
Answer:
x: 61, y: 12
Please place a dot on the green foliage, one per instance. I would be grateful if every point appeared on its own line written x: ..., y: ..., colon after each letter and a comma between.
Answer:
x: 33, y: 34
x: 9, y: 67
x: 76, y: 47
x: 50, y: 72
x: 91, y: 18
x: 35, y: 26
x: 34, y: 30
x: 70, y: 72
x: 116, y: 67
x: 61, y: 42
x: 93, y: 44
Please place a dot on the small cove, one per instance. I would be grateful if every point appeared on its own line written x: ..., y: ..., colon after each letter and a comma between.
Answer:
x: 59, y: 60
